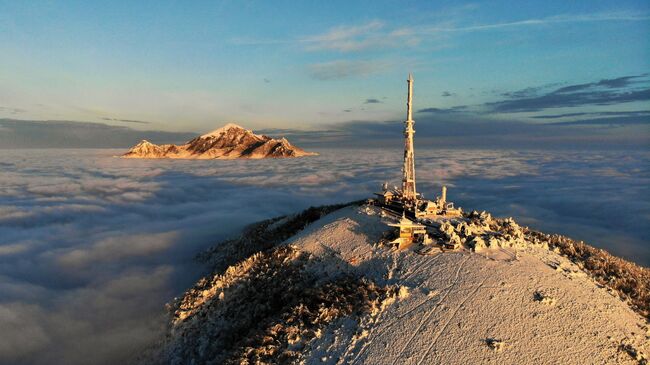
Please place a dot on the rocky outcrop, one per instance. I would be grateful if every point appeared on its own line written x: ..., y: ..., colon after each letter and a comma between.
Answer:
x: 146, y: 149
x: 228, y: 142
x: 480, y: 231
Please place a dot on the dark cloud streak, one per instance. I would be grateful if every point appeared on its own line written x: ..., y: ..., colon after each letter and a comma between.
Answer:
x: 635, y: 113
x: 631, y: 120
x: 565, y: 99
x: 125, y: 120
x: 454, y: 109
x: 604, y: 92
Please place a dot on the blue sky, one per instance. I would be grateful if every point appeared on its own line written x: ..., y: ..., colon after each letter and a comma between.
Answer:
x: 311, y: 65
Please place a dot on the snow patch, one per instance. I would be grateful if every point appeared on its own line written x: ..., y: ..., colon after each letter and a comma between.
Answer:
x: 222, y: 130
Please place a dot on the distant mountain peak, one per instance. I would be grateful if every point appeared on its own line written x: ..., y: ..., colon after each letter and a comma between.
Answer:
x: 228, y: 142
x: 224, y: 129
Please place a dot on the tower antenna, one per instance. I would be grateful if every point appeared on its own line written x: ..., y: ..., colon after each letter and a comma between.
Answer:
x: 409, y: 193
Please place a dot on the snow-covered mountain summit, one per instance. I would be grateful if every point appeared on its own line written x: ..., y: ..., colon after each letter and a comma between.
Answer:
x: 228, y: 142
x: 324, y: 287
x: 225, y: 129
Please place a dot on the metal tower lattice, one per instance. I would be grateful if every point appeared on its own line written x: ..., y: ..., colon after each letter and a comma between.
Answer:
x: 408, y: 181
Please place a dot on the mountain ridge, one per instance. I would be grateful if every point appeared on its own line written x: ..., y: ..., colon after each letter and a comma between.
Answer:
x: 320, y: 287
x: 228, y: 142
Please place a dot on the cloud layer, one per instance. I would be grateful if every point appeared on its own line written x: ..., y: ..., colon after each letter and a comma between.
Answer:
x: 67, y: 134
x: 93, y: 246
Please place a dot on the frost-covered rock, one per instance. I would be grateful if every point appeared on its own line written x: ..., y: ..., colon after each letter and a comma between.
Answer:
x: 477, y: 243
x: 480, y: 231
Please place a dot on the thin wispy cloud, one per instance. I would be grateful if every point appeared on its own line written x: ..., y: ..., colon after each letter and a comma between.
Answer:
x: 345, y: 38
x: 556, y: 19
x: 357, y: 38
x: 342, y: 69
x: 379, y: 34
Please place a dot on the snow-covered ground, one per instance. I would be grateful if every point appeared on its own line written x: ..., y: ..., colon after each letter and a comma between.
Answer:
x: 528, y: 306
x: 499, y: 306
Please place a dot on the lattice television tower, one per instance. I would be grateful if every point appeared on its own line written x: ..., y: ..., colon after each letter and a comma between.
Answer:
x: 408, y: 181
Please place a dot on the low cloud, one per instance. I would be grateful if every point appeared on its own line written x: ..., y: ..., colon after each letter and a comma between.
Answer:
x: 94, y: 246
x: 372, y: 101
x: 118, y: 248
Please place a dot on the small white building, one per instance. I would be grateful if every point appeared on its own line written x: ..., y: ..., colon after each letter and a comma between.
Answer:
x: 409, y: 232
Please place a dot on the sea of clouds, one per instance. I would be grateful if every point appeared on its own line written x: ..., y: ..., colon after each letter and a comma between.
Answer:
x: 93, y: 246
